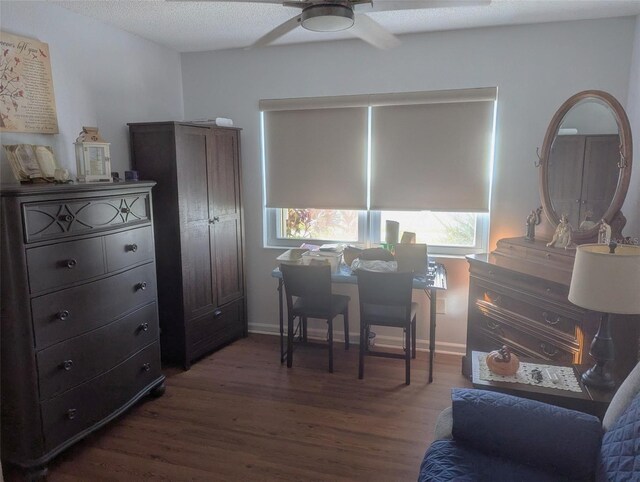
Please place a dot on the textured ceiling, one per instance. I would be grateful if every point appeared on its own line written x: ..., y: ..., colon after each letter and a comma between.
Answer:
x: 188, y: 26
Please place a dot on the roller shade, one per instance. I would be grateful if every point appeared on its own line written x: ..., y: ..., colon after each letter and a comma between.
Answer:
x: 316, y: 158
x: 432, y: 156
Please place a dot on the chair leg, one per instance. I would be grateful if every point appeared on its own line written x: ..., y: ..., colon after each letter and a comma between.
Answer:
x: 304, y: 329
x: 346, y: 328
x: 363, y: 342
x: 330, y: 322
x: 290, y: 335
x: 413, y: 337
x: 407, y: 356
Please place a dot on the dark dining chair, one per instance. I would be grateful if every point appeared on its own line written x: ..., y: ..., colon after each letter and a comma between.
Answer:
x: 385, y: 300
x: 311, y: 288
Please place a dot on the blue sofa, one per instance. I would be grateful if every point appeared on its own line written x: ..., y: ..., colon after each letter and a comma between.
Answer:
x: 496, y: 437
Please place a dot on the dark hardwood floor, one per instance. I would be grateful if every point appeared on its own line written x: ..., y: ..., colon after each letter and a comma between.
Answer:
x: 240, y: 415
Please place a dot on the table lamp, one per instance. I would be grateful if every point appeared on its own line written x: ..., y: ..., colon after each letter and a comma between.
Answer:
x: 606, y: 278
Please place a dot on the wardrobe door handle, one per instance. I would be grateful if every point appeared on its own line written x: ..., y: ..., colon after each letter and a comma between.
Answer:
x: 63, y: 315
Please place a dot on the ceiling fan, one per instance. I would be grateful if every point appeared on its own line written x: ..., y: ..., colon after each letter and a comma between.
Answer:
x: 336, y: 15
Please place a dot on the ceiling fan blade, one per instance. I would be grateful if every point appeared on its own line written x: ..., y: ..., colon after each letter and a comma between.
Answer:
x: 372, y: 32
x: 277, y: 32
x: 385, y: 5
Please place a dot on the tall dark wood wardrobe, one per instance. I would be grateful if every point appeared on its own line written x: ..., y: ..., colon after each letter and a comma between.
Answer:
x: 199, y: 233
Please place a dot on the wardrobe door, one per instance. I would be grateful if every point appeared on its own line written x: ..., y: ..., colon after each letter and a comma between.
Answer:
x: 601, y: 172
x: 226, y: 213
x: 198, y: 265
x: 565, y: 175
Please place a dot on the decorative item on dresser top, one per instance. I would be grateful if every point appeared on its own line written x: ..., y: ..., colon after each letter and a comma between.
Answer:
x: 79, y: 313
x: 518, y: 293
x: 199, y: 233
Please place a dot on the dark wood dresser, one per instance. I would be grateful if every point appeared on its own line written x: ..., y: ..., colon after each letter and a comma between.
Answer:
x: 518, y: 297
x: 199, y: 233
x: 79, y: 313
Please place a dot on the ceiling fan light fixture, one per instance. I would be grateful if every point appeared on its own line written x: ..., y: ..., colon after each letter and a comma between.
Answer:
x: 327, y: 18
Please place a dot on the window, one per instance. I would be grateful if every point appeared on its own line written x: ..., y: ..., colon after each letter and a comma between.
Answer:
x: 423, y: 159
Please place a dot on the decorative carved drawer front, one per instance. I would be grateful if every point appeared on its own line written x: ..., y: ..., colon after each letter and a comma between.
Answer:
x: 128, y: 248
x: 49, y: 220
x: 546, y: 320
x: 80, y: 408
x: 222, y: 325
x: 69, y: 363
x: 503, y: 333
x: 64, y: 263
x: 71, y: 312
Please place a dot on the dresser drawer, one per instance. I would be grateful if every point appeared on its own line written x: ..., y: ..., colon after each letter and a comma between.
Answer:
x: 64, y: 263
x: 71, y: 312
x: 128, y: 248
x: 539, y: 317
x: 210, y: 331
x: 49, y: 220
x: 82, y: 407
x: 69, y: 363
x: 523, y: 343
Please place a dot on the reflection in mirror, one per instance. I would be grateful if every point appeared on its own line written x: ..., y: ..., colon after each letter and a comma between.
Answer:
x: 583, y: 163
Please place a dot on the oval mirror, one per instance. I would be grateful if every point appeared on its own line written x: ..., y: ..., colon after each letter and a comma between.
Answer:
x: 586, y: 163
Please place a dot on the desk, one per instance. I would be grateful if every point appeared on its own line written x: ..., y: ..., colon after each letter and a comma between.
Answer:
x: 345, y: 276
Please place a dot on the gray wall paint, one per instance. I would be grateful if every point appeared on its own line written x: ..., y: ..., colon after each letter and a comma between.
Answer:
x: 536, y: 67
x: 631, y: 208
x: 102, y: 76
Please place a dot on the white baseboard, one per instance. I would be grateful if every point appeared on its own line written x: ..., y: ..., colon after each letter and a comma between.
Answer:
x: 383, y: 341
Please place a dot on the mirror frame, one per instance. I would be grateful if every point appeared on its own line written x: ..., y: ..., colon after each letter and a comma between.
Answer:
x: 626, y: 151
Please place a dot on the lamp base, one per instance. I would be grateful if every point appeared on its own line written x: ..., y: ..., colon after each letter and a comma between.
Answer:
x: 598, y: 377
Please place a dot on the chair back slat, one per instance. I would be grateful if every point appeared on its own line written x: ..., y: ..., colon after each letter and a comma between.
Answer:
x: 312, y: 283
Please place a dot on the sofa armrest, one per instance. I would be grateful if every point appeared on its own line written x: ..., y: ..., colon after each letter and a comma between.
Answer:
x: 444, y: 425
x: 527, y: 431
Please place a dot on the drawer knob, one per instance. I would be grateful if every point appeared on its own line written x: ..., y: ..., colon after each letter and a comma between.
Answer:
x: 142, y: 286
x: 144, y: 326
x: 548, y: 290
x: 550, y: 321
x: 132, y: 247
x: 63, y: 315
x: 549, y: 351
x: 217, y: 313
x: 67, y: 365
x: 125, y: 210
x: 71, y: 413
x: 66, y: 217
x: 71, y: 263
x: 146, y: 367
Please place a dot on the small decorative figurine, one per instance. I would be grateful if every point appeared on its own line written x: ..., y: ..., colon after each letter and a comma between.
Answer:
x: 503, y: 362
x: 588, y: 222
x: 604, y: 233
x: 532, y: 221
x: 562, y: 238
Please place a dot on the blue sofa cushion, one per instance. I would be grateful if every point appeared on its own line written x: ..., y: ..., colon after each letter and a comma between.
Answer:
x: 620, y: 452
x: 527, y: 432
x: 449, y: 460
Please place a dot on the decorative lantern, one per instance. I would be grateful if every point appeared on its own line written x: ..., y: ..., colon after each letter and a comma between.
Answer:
x: 92, y: 156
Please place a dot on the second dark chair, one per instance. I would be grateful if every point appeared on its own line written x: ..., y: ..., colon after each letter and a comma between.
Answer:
x: 385, y: 300
x: 311, y: 286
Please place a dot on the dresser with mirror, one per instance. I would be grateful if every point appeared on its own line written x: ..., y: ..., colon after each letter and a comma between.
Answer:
x: 518, y: 293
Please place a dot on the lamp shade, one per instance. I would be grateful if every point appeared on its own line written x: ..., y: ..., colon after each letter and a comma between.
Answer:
x: 606, y: 282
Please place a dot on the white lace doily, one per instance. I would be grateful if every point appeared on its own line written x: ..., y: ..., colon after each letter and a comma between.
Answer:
x: 528, y: 373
